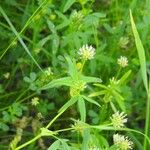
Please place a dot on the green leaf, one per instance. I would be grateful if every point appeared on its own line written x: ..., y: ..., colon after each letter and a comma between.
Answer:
x: 63, y: 24
x: 72, y: 68
x: 67, y: 81
x: 51, y: 26
x: 6, y: 116
x: 120, y: 100
x: 68, y: 4
x: 32, y: 76
x: 113, y: 147
x: 103, y: 141
x: 4, y: 126
x: 27, y: 79
x: 16, y: 109
x: 102, y: 86
x: 82, y: 108
x: 65, y: 145
x: 86, y: 139
x: 124, y: 77
x: 92, y: 113
x: 91, y: 100
x: 103, y: 92
x: 141, y: 52
x: 68, y: 104
x: 94, y: 18
x: 55, y: 145
x: 90, y: 79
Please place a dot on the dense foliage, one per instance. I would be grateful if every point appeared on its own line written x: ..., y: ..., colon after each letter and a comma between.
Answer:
x: 74, y: 74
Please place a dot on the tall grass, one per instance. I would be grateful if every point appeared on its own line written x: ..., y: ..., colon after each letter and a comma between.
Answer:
x: 142, y: 59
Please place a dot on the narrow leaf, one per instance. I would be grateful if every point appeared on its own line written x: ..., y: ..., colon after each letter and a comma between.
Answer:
x: 55, y: 145
x: 98, y: 93
x: 102, y: 86
x: 65, y: 145
x: 120, y: 100
x: 68, y: 104
x: 141, y: 52
x: 72, y: 68
x: 68, y: 4
x: 86, y: 139
x: 124, y: 77
x: 90, y: 79
x: 67, y: 81
x: 82, y: 108
x: 91, y: 100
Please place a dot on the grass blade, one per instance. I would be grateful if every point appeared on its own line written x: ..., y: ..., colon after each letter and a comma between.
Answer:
x: 142, y: 59
x: 36, y: 12
x: 141, y: 52
x: 19, y: 38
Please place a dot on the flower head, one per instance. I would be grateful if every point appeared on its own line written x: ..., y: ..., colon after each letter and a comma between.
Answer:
x: 48, y: 71
x: 78, y: 126
x: 122, y: 142
x: 122, y: 61
x: 6, y: 75
x: 77, y: 16
x: 114, y: 81
x: 86, y: 52
x: 77, y: 87
x: 118, y: 119
x: 124, y: 41
x: 35, y: 101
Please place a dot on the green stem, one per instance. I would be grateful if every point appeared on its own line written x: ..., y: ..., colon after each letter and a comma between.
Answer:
x: 36, y: 12
x: 83, y: 63
x: 22, y: 94
x: 29, y: 142
x: 113, y: 107
x: 51, y: 122
x: 147, y: 119
x: 109, y: 128
x: 39, y: 135
x: 118, y: 73
x: 67, y: 129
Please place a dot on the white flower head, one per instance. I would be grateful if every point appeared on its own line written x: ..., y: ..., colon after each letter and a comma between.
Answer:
x: 6, y: 75
x: 122, y: 142
x: 86, y: 52
x: 118, y: 119
x: 35, y: 101
x: 122, y: 61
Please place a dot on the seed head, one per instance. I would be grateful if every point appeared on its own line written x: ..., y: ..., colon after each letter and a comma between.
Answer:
x: 122, y: 142
x: 122, y: 61
x: 124, y: 41
x: 86, y: 52
x: 118, y: 119
x: 77, y: 16
x: 35, y: 101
